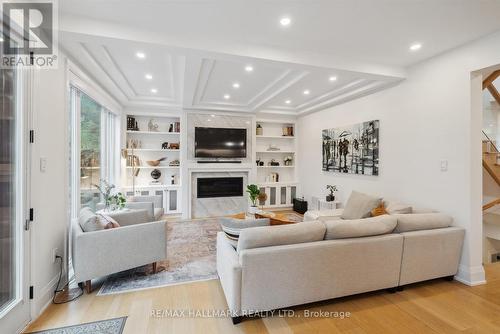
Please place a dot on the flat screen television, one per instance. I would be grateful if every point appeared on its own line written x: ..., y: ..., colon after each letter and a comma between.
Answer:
x: 220, y: 143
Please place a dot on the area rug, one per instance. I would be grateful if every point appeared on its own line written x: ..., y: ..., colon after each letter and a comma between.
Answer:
x: 109, y: 326
x: 191, y: 256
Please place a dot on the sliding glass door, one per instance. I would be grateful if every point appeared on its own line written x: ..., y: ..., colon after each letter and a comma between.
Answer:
x: 14, y: 241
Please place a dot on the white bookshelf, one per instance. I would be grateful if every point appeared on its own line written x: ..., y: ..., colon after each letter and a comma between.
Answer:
x: 148, y: 146
x: 272, y: 144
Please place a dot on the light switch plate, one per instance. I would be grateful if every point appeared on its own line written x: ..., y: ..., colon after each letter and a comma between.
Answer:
x: 43, y: 165
x: 444, y: 165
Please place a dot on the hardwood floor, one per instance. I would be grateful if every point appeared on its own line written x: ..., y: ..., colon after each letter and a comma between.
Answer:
x: 436, y: 306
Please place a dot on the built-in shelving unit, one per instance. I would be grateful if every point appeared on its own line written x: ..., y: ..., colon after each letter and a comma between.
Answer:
x: 154, y: 133
x: 276, y: 143
x: 146, y: 138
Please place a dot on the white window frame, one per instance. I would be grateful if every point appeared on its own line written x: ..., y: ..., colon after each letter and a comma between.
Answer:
x: 79, y: 82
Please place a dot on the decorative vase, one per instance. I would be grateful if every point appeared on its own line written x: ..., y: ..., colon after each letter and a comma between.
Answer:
x: 253, y: 209
x: 330, y: 198
x: 259, y: 130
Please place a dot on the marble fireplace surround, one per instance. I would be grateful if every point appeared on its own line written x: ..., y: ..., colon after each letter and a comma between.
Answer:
x: 218, y: 206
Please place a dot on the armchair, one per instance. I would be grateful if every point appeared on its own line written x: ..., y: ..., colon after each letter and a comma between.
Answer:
x: 156, y: 200
x: 104, y: 252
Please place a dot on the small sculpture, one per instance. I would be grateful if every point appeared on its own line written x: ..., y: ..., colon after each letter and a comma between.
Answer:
x: 174, y: 146
x: 174, y: 163
x: 171, y: 128
x: 155, y: 174
x: 153, y: 127
x: 164, y: 146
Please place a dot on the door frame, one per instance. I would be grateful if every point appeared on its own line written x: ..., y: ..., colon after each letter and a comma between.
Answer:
x: 16, y: 316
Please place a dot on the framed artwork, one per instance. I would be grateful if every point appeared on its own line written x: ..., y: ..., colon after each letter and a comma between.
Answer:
x: 352, y: 149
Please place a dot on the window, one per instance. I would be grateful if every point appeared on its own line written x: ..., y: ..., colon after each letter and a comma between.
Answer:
x: 93, y: 149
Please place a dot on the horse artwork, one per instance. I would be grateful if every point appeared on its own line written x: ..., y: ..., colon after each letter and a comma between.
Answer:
x: 352, y: 149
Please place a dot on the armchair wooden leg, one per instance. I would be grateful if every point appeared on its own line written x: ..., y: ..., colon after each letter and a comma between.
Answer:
x: 88, y: 286
x: 154, y: 267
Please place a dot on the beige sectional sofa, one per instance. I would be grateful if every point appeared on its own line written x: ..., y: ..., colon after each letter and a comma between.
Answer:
x: 280, y: 266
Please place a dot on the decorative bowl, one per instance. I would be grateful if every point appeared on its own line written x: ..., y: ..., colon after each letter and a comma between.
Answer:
x: 153, y: 163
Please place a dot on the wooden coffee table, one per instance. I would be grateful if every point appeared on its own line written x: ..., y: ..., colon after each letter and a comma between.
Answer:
x: 280, y: 218
x: 274, y: 218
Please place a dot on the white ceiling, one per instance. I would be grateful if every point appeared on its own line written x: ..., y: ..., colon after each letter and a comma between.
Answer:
x: 196, y: 50
x: 377, y: 31
x: 200, y: 80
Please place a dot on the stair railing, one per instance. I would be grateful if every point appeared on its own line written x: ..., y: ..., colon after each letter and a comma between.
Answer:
x: 490, y: 144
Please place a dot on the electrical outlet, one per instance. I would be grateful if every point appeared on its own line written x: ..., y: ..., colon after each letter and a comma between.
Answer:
x: 54, y: 254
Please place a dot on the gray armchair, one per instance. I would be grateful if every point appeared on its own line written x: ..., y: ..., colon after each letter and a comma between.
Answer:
x: 157, y: 201
x: 99, y: 253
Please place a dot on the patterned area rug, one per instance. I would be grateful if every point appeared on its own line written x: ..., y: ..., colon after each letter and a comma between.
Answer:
x: 110, y: 326
x: 191, y: 256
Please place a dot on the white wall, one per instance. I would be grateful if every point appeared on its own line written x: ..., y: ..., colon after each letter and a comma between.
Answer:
x: 424, y: 120
x: 49, y: 193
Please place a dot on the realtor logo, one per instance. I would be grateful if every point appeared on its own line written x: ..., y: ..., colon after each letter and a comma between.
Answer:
x: 29, y: 33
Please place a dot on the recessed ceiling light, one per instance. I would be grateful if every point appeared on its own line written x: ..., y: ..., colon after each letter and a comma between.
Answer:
x: 307, y: 92
x: 332, y: 78
x: 154, y: 90
x: 285, y: 21
x: 1, y: 39
x: 248, y: 68
x: 212, y: 115
x: 288, y: 101
x: 140, y: 55
x: 227, y: 96
x: 236, y: 85
x: 149, y: 76
x: 415, y: 46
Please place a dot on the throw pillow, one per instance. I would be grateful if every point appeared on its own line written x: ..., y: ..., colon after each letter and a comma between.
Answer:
x: 379, y: 210
x: 89, y: 221
x: 107, y: 221
x: 233, y: 226
x: 360, y: 205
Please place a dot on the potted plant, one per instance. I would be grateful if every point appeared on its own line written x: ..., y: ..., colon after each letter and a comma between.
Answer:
x: 111, y: 202
x: 332, y: 189
x: 253, y: 192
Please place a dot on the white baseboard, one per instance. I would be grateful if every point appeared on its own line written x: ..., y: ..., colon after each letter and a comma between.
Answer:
x: 471, y: 276
x: 43, y: 298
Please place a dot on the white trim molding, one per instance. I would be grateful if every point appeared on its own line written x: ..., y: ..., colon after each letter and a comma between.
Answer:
x: 471, y: 276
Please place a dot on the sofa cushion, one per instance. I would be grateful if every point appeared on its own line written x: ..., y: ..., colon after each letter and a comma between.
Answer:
x: 281, y: 235
x: 328, y: 214
x: 394, y: 208
x: 355, y: 228
x: 360, y: 205
x: 422, y: 221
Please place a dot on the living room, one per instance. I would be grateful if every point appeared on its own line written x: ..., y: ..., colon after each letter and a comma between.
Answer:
x: 232, y: 167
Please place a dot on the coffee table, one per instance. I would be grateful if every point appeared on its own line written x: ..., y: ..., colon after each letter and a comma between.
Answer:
x: 274, y: 218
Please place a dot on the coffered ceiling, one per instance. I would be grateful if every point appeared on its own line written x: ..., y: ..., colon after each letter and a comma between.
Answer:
x: 165, y: 78
x: 196, y: 50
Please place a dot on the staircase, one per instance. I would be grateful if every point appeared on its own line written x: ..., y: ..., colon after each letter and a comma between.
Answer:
x: 491, y: 155
x: 491, y: 163
x: 491, y: 158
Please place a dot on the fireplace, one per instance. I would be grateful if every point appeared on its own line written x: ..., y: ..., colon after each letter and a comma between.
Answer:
x: 210, y: 187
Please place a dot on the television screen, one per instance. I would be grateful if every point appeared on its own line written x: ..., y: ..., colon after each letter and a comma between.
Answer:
x: 220, y: 143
